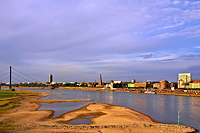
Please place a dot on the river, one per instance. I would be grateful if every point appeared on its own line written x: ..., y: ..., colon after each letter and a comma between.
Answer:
x: 161, y: 108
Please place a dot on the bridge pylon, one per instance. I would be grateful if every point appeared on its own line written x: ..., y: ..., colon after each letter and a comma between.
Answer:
x: 10, y: 86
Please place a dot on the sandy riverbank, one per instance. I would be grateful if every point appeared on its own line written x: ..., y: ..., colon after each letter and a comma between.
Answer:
x: 107, y: 118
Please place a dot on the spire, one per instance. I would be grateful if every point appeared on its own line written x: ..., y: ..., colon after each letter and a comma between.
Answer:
x: 100, y: 80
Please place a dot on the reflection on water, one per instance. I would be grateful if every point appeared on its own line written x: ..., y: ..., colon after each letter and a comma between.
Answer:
x: 111, y: 97
x: 162, y: 108
x: 100, y: 96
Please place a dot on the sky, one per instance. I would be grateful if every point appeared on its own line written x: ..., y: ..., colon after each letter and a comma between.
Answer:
x: 77, y: 40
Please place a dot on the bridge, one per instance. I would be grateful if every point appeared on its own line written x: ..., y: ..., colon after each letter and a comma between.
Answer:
x: 13, y: 76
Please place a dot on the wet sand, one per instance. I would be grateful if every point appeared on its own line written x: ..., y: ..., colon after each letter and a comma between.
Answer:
x: 107, y: 119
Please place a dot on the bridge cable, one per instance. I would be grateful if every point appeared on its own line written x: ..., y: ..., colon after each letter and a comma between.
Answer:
x: 4, y: 70
x: 25, y: 74
x: 4, y: 74
x: 17, y: 79
x: 4, y: 78
x: 20, y: 77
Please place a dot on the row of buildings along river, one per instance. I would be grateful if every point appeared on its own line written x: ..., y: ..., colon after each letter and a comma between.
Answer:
x: 184, y: 83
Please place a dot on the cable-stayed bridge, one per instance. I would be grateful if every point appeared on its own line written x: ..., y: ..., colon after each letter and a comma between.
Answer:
x: 11, y: 76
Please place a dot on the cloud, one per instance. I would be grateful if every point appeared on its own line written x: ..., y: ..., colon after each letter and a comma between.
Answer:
x: 197, y: 47
x: 176, y: 2
x: 146, y: 56
x: 190, y: 56
x: 80, y: 39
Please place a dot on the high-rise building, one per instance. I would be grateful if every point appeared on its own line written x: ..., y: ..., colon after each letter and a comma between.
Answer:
x: 186, y: 77
x: 50, y: 78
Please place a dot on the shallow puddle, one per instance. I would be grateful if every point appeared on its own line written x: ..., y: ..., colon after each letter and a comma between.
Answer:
x: 80, y: 121
x: 89, y: 116
x: 63, y: 107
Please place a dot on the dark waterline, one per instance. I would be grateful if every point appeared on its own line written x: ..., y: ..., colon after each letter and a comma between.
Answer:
x: 162, y: 108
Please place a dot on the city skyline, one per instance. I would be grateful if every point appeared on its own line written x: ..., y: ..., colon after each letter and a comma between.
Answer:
x: 122, y: 40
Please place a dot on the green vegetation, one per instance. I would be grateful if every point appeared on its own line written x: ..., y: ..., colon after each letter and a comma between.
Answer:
x: 10, y: 99
x: 7, y: 94
x: 2, y: 103
x: 7, y: 99
x: 6, y: 125
x: 8, y: 106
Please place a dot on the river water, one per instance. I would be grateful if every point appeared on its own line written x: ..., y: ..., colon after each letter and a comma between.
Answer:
x: 162, y: 108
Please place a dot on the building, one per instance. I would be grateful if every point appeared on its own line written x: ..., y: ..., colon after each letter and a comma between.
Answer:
x: 156, y: 85
x: 133, y: 80
x: 184, y: 79
x: 50, y: 78
x: 114, y: 84
x: 111, y: 84
x: 148, y: 82
x: 100, y: 80
x: 64, y: 83
x: 117, y: 82
x: 90, y: 85
x: 101, y: 84
x: 163, y: 84
x: 196, y: 81
x: 137, y: 85
x: 195, y: 84
x: 54, y: 83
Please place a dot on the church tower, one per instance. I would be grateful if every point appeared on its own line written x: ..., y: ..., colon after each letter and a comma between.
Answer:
x: 100, y: 81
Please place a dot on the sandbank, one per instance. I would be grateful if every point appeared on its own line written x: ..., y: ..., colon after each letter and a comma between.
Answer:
x: 107, y: 119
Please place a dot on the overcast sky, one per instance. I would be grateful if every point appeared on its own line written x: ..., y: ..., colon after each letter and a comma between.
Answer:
x: 77, y: 40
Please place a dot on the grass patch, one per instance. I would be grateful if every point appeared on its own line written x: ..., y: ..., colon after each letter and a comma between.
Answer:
x: 26, y: 93
x: 9, y: 99
x: 6, y: 94
x: 5, y: 125
x: 3, y: 103
x: 14, y: 94
x: 7, y: 107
